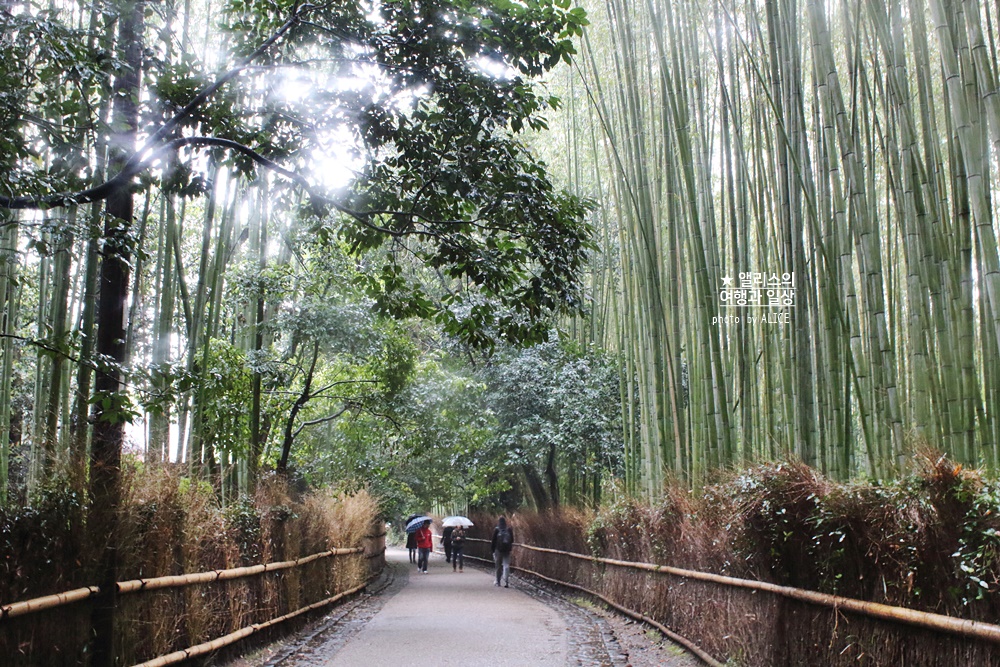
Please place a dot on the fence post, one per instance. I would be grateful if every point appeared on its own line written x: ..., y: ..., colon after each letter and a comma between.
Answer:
x: 374, y: 548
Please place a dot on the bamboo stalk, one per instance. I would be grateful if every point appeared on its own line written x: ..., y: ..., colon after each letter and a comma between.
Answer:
x: 8, y: 318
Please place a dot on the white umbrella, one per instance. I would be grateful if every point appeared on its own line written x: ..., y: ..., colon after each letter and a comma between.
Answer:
x: 457, y: 521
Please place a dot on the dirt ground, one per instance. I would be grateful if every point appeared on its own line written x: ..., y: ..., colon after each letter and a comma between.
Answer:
x: 628, y: 642
x: 645, y: 646
x: 557, y: 629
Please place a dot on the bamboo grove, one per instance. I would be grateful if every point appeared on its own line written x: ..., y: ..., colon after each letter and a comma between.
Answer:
x: 51, y: 268
x: 854, y: 144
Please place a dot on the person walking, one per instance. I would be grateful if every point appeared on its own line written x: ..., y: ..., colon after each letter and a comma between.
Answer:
x: 501, y: 546
x: 425, y: 543
x: 458, y: 549
x: 411, y: 546
x: 411, y: 538
x: 446, y: 542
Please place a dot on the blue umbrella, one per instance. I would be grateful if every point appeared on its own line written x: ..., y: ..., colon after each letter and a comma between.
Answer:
x: 414, y: 524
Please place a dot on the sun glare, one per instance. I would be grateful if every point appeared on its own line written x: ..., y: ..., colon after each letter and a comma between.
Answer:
x: 374, y: 12
x: 335, y: 160
x: 296, y: 87
x: 494, y: 68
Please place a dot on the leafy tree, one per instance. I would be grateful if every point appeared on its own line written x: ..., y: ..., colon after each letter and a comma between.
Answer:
x: 224, y: 395
x: 50, y: 75
x: 440, y: 91
x: 329, y: 353
x: 423, y: 446
x: 558, y: 416
x: 403, y: 89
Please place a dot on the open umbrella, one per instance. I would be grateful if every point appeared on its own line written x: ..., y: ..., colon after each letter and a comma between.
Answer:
x: 457, y: 521
x: 413, y: 524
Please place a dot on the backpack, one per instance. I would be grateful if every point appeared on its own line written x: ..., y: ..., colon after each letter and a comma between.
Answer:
x: 505, y: 540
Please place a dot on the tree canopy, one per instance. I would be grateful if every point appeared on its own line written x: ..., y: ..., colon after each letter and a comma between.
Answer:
x: 386, y: 129
x: 424, y: 100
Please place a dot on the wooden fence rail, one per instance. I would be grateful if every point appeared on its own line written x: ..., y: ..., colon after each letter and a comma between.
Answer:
x: 50, y: 601
x: 233, y: 637
x: 921, y: 619
x: 223, y: 575
x: 47, y: 602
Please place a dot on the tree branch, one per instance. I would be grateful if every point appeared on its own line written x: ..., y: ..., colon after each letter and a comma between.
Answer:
x: 155, y: 145
x: 321, y: 420
x: 47, y: 347
x: 318, y: 392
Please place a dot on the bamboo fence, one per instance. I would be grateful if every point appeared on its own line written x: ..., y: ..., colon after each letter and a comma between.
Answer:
x: 374, y: 550
x: 233, y: 637
x: 667, y: 632
x: 920, y: 619
x: 51, y: 601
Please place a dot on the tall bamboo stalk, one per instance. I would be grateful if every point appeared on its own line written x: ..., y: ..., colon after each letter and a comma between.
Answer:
x: 845, y: 143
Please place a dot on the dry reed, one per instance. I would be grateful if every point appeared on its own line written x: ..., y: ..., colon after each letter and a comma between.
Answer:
x: 168, y: 527
x: 930, y: 542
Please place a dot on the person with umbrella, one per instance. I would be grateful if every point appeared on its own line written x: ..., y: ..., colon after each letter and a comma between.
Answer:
x: 411, y: 537
x: 425, y: 543
x: 457, y: 524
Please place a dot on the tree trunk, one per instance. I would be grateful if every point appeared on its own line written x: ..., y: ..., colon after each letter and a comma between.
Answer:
x: 286, y: 445
x: 109, y: 426
x: 537, y: 488
x: 552, y: 476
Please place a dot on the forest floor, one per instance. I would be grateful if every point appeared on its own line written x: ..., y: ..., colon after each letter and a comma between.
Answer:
x: 448, y: 618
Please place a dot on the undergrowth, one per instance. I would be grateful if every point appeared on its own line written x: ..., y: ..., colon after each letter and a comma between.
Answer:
x: 930, y: 541
x: 170, y: 526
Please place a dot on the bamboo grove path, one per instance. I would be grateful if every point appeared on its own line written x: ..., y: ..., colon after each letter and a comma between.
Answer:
x: 444, y: 619
x: 449, y: 618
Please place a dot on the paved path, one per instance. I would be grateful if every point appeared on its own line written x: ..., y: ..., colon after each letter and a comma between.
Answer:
x: 444, y: 618
x: 407, y: 619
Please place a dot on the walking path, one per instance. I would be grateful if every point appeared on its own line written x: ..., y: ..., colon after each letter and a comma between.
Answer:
x: 445, y: 618
x: 407, y: 619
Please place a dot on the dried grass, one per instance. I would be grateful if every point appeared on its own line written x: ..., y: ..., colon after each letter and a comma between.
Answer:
x: 169, y: 526
x: 931, y: 542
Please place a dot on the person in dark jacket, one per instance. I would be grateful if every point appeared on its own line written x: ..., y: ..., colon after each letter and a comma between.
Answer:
x: 411, y: 545
x: 458, y: 549
x: 446, y: 542
x: 501, y: 546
